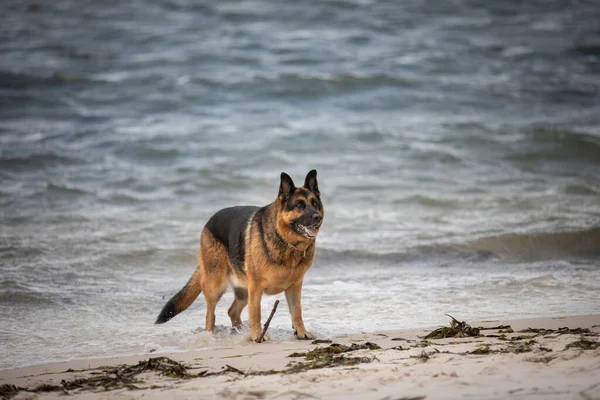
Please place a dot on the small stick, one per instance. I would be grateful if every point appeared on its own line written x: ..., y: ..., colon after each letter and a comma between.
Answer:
x: 262, y: 335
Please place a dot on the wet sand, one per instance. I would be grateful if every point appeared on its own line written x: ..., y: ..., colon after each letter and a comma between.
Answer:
x: 555, y: 363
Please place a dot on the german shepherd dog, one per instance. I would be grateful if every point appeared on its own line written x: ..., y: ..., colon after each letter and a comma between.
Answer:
x: 256, y: 250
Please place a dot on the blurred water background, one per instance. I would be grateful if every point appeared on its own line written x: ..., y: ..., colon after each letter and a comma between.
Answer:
x: 457, y: 144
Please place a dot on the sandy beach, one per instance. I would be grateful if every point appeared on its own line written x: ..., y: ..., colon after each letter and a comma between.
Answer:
x: 541, y: 358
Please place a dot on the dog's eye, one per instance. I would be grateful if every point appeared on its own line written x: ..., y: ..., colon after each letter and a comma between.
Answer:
x: 300, y: 205
x: 314, y: 203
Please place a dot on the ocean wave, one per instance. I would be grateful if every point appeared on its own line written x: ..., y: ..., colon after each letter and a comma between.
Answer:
x: 36, y: 160
x: 149, y: 256
x: 427, y: 201
x: 148, y: 153
x: 513, y: 247
x: 63, y: 189
x: 11, y: 252
x: 537, y: 246
x: 313, y: 84
x: 123, y: 199
x: 15, y: 293
x: 555, y: 144
x: 581, y: 189
x: 441, y: 254
x: 18, y: 80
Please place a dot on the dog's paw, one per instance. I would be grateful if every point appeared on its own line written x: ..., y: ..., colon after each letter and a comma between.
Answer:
x: 266, y: 338
x: 306, y: 335
x: 255, y: 335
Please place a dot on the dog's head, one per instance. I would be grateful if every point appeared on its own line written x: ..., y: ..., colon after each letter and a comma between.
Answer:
x: 300, y: 209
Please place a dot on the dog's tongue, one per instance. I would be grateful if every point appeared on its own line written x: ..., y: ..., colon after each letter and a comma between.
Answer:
x: 310, y: 231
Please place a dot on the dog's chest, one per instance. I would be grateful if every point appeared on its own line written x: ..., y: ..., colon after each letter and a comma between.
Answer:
x: 281, y: 278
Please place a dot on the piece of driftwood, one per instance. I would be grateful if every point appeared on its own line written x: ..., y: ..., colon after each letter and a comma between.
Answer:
x: 264, y: 331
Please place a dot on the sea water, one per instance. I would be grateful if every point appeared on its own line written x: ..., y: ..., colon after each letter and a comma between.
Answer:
x: 457, y: 145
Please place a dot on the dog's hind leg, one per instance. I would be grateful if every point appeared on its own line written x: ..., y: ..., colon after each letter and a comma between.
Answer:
x: 214, y: 261
x: 239, y: 302
x: 212, y: 297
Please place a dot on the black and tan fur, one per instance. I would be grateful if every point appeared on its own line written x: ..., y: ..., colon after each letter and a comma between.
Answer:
x: 256, y: 250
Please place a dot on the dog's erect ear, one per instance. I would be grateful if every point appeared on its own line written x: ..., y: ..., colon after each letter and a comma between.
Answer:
x: 286, y: 187
x: 310, y: 182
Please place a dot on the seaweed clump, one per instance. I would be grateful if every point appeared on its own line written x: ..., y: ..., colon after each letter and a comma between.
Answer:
x: 561, y: 331
x: 512, y: 347
x: 121, y: 377
x: 331, y: 356
x: 334, y: 349
x: 456, y: 329
x: 583, y: 344
x: 8, y: 391
x: 124, y: 376
x: 481, y: 350
x: 164, y: 365
x: 326, y: 361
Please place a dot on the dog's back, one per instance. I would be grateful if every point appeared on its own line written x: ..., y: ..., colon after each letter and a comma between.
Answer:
x: 228, y: 227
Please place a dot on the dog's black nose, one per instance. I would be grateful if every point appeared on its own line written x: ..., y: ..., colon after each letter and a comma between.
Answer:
x: 316, y: 218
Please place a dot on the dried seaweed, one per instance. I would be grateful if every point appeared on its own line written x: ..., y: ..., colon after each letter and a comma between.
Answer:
x: 423, y: 356
x: 335, y: 348
x: 540, y: 331
x: 227, y: 368
x: 120, y: 377
x: 522, y: 337
x: 583, y: 344
x: 405, y: 398
x: 456, y: 329
x: 331, y: 356
x: 561, y: 331
x: 326, y: 361
x: 321, y: 341
x: 444, y: 332
x: 44, y: 387
x: 512, y: 347
x: 321, y: 357
x: 481, y: 328
x: 124, y: 376
x: 481, y: 350
x: 576, y: 331
x: 8, y: 391
x: 519, y: 347
x: 164, y: 365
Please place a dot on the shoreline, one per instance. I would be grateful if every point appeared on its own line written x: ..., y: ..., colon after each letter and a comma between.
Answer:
x: 499, y: 363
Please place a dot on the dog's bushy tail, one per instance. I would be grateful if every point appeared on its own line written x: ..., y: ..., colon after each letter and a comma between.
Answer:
x: 183, y: 299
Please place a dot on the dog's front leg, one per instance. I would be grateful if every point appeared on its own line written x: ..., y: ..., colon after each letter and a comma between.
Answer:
x: 293, y: 297
x: 254, y: 297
